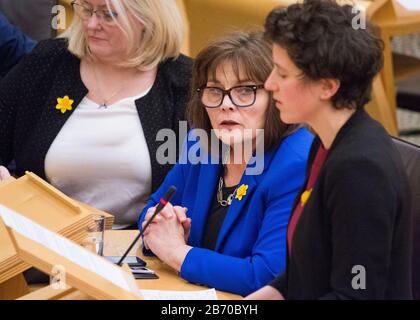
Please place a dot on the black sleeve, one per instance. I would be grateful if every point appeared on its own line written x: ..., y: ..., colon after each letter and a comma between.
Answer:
x: 363, y: 204
x: 280, y: 284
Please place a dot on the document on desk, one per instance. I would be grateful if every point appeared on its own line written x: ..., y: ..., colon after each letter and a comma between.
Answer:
x: 412, y: 5
x: 209, y: 294
x: 65, y: 248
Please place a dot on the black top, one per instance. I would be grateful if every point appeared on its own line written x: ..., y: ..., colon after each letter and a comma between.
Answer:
x: 356, y: 224
x: 216, y: 216
x: 29, y: 121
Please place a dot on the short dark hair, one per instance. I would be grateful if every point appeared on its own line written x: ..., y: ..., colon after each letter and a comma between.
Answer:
x: 249, y: 51
x: 320, y: 38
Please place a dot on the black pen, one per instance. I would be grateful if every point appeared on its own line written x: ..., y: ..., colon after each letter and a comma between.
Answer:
x: 162, y: 203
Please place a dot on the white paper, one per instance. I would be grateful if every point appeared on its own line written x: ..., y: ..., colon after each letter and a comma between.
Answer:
x: 412, y: 5
x: 64, y: 247
x: 209, y: 294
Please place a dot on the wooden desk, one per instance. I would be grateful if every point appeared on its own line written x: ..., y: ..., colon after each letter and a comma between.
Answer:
x: 391, y: 23
x: 116, y: 242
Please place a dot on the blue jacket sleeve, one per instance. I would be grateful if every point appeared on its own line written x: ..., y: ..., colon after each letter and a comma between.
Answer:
x: 175, y: 177
x: 245, y: 275
x: 14, y: 44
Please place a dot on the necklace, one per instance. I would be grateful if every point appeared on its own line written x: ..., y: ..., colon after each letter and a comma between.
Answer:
x: 104, y: 104
x: 220, y: 200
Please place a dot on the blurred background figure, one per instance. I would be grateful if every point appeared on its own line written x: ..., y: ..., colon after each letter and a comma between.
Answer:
x: 33, y: 17
x: 14, y: 44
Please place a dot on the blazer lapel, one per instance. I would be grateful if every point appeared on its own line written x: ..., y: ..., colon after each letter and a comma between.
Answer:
x: 67, y: 82
x: 236, y: 208
x: 155, y: 112
x: 207, y: 184
x: 250, y: 182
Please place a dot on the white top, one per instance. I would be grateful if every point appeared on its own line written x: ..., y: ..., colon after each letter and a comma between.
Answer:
x: 100, y: 157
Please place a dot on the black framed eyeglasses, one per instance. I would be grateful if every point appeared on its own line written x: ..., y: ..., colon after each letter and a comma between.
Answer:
x: 85, y: 12
x: 241, y: 96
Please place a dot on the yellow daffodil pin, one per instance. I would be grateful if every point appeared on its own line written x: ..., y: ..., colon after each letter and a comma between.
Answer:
x: 64, y: 104
x: 305, y: 196
x: 241, y: 192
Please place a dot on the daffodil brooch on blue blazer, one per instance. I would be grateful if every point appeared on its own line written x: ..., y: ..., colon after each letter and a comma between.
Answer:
x: 241, y: 192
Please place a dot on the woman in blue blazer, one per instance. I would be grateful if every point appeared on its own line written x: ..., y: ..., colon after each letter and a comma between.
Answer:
x: 226, y: 225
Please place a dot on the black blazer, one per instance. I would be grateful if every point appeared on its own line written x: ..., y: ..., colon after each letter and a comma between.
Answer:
x: 357, y: 215
x: 29, y: 121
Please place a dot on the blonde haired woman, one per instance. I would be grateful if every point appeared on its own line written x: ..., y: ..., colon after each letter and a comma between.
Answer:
x: 83, y: 111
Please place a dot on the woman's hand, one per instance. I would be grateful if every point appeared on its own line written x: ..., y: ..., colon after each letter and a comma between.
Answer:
x: 168, y: 212
x: 181, y: 214
x: 166, y: 238
x: 4, y: 173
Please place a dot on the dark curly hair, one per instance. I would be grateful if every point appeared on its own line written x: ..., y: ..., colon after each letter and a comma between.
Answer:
x: 321, y: 40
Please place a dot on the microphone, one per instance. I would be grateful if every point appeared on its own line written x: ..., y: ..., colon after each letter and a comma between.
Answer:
x: 162, y: 203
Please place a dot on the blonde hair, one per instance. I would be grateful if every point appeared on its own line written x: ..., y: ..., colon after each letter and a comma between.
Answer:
x: 162, y: 36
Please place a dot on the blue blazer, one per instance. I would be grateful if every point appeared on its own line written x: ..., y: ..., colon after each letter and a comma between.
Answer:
x: 251, y: 246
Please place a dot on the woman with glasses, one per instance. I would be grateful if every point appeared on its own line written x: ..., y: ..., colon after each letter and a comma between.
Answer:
x: 83, y: 111
x: 237, y: 177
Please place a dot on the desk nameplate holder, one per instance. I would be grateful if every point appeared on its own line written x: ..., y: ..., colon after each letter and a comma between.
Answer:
x: 37, y: 200
x: 76, y: 276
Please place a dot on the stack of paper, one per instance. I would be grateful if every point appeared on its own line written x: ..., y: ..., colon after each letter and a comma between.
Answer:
x: 209, y: 294
x: 40, y: 202
x: 411, y: 5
